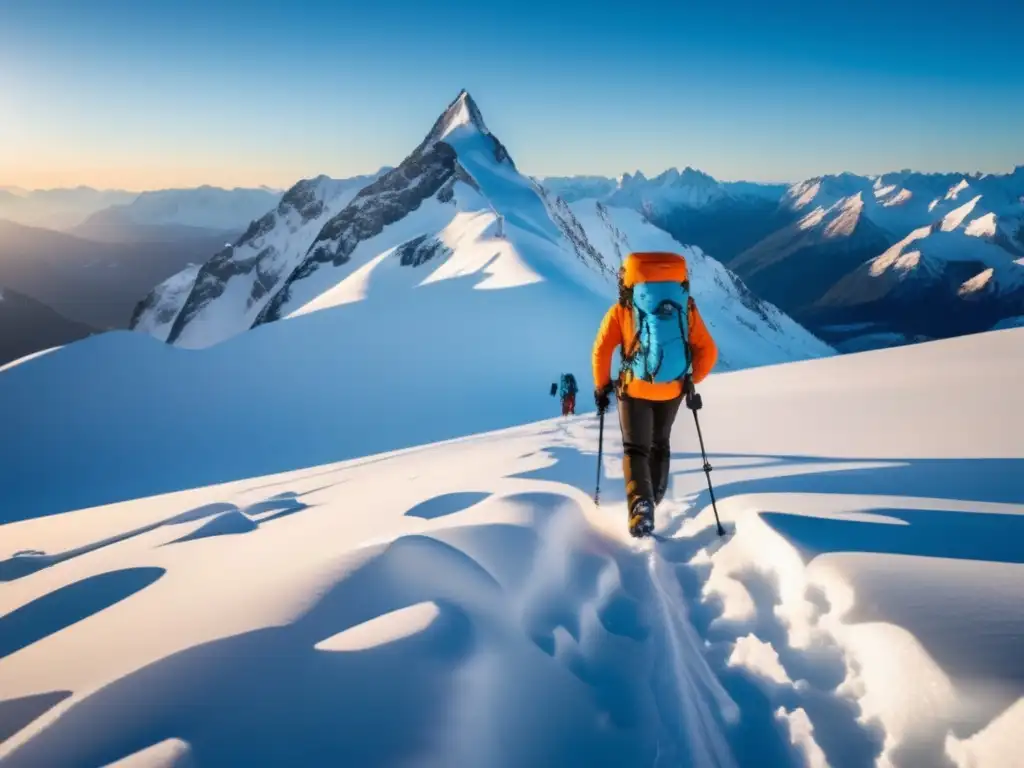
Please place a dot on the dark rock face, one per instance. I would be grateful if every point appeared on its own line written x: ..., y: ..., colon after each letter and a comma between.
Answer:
x: 570, y: 226
x: 259, y: 227
x: 304, y: 199
x: 430, y: 170
x: 420, y: 250
x: 163, y: 315
x: 618, y: 237
x: 266, y: 278
x: 446, y: 194
x: 384, y: 202
x: 211, y: 283
x: 142, y: 307
x: 500, y: 153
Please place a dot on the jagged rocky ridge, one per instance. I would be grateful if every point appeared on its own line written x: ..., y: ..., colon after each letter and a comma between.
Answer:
x: 247, y: 271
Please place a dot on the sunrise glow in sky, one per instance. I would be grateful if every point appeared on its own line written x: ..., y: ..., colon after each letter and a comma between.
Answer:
x: 119, y: 94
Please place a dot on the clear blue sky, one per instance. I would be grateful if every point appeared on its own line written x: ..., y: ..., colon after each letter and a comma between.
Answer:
x: 151, y: 93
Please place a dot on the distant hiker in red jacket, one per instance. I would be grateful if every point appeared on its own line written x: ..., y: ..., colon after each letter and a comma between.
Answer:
x: 665, y: 349
x: 567, y: 392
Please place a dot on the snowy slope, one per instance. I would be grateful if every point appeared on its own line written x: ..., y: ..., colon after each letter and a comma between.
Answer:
x: 450, y: 326
x: 467, y: 604
x: 235, y: 284
x: 156, y: 313
x: 459, y: 169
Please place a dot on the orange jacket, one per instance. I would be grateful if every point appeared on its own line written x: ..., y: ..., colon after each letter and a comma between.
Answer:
x: 617, y: 326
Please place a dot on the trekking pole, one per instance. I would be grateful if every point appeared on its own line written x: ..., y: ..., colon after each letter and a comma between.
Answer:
x: 694, y: 403
x: 600, y: 451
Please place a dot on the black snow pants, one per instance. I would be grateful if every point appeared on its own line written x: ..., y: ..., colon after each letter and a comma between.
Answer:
x: 646, y: 431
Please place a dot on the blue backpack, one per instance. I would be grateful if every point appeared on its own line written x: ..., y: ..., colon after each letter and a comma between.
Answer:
x: 568, y: 385
x: 661, y: 348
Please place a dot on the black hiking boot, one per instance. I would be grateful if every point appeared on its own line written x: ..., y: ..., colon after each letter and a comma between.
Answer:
x: 641, y: 519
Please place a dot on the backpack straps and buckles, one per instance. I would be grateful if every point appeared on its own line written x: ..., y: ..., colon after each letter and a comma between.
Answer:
x: 690, y: 304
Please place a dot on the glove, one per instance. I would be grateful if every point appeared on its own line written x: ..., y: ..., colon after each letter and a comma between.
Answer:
x: 601, y: 398
x: 693, y: 398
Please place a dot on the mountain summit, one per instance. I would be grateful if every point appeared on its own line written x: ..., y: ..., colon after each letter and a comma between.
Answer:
x: 461, y: 112
x: 455, y: 231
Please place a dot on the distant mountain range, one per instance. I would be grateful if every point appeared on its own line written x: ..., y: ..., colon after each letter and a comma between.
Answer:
x: 863, y: 261
x: 64, y: 285
x: 176, y: 214
x: 57, y: 208
x: 97, y: 284
x: 102, y: 214
x: 721, y: 217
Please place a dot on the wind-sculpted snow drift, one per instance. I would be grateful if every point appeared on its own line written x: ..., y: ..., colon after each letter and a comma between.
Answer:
x: 465, y: 603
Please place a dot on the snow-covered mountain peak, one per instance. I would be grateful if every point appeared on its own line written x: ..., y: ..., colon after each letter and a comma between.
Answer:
x: 673, y: 188
x: 956, y: 189
x: 837, y: 220
x: 847, y: 216
x: 826, y: 191
x: 802, y: 194
x: 691, y: 177
x: 898, y: 256
x: 955, y: 218
x: 461, y: 113
x: 627, y: 179
x: 455, y: 227
x: 203, y: 306
x: 983, y: 226
x: 459, y: 168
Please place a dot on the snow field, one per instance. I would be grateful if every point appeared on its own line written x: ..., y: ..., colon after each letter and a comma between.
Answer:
x: 863, y: 610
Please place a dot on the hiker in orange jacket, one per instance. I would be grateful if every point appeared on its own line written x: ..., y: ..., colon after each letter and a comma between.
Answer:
x: 655, y: 374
